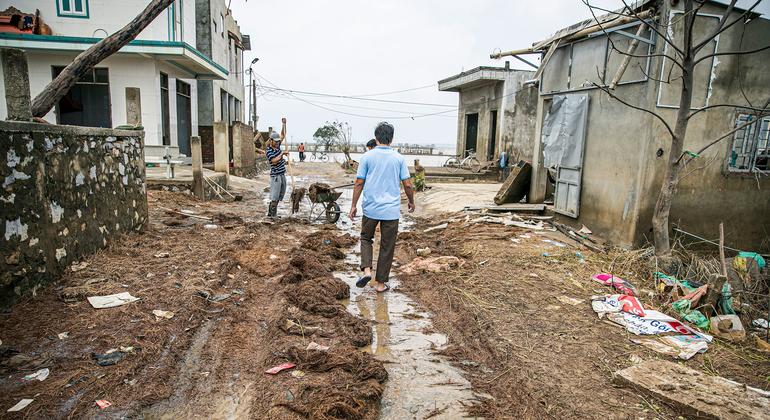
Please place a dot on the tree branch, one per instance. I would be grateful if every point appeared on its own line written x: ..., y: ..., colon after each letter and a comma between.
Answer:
x: 750, y: 108
x: 654, y: 29
x: 756, y: 50
x: 721, y: 27
x: 659, y: 118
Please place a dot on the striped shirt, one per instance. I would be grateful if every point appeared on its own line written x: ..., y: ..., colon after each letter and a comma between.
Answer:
x: 278, y: 168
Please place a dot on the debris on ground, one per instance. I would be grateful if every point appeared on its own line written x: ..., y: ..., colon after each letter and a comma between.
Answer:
x: 761, y: 344
x: 111, y: 301
x: 40, y: 375
x: 727, y: 327
x: 607, y: 304
x: 283, y: 366
x: 315, y: 346
x: 432, y: 265
x: 423, y: 252
x: 554, y: 243
x: 694, y: 393
x: 20, y: 405
x: 75, y: 267
x: 162, y: 314
x: 437, y: 227
x: 616, y: 283
x: 164, y: 254
x: 63, y: 335
x: 102, y: 404
x: 110, y: 357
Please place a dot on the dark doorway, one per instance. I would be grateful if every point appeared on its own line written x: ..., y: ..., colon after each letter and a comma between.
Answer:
x: 492, y: 135
x: 87, y: 104
x: 183, y: 120
x: 471, y: 132
x: 164, y: 117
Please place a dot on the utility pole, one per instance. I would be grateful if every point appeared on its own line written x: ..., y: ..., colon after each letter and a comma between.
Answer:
x: 253, y: 85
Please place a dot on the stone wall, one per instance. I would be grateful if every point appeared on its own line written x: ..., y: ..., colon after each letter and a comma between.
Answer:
x: 244, y: 159
x: 66, y: 192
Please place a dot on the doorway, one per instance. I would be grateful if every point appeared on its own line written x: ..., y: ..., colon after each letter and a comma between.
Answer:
x: 492, y: 135
x: 471, y: 132
x: 164, y: 118
x: 183, y: 119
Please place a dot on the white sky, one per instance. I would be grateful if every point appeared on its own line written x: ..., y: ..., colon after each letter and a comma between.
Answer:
x: 359, y: 47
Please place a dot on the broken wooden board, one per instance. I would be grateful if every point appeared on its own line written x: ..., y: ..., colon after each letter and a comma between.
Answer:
x: 694, y: 393
x: 516, y: 186
x: 511, y: 207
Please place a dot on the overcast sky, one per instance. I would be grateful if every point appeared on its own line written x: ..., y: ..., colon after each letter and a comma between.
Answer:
x: 362, y: 47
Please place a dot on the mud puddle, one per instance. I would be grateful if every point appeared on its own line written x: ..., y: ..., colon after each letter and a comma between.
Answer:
x: 420, y: 383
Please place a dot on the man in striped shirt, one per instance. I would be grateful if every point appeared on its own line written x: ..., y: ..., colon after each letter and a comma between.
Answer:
x: 277, y: 169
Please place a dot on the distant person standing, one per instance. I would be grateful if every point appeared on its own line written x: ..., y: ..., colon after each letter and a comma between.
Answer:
x: 277, y: 169
x: 301, y: 150
x: 380, y: 174
x: 371, y: 144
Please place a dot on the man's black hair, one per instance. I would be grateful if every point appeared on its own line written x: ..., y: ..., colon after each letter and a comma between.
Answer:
x: 371, y: 143
x: 384, y: 133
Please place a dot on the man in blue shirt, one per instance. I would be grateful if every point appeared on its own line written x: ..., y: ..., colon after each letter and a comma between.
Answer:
x: 277, y: 169
x: 380, y: 174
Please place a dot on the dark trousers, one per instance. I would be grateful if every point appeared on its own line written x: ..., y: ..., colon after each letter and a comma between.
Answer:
x: 388, y: 234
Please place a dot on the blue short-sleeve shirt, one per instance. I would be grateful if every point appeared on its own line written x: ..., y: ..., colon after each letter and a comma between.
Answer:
x: 382, y: 169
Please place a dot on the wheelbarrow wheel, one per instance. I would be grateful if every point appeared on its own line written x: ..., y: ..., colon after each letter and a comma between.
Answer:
x: 332, y: 212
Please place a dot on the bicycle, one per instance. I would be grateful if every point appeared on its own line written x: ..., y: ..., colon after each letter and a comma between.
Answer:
x: 470, y: 162
x: 318, y: 156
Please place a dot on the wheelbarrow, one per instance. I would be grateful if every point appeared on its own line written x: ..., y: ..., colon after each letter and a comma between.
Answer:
x: 323, y: 206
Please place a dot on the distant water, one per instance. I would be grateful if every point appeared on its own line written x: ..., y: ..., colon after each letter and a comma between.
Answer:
x: 425, y: 160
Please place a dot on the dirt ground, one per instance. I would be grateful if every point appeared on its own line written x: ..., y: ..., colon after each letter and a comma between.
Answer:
x: 245, y: 296
x: 249, y: 295
x: 537, y: 356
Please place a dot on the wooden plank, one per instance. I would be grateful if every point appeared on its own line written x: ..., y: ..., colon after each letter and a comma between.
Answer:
x: 546, y: 59
x: 525, y: 207
x: 694, y: 393
x: 516, y: 186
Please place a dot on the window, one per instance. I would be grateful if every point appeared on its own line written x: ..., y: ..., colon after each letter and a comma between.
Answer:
x: 237, y: 110
x: 750, y: 151
x: 87, y: 104
x: 215, y: 25
x: 72, y: 8
x: 222, y: 24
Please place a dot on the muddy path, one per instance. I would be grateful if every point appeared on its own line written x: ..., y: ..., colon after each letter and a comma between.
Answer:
x: 421, y: 383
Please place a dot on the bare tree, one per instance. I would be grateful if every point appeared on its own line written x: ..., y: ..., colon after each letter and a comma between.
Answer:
x: 86, y: 60
x: 337, y: 135
x: 684, y: 56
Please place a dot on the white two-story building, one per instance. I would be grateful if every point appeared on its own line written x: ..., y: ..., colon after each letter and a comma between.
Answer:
x: 163, y: 62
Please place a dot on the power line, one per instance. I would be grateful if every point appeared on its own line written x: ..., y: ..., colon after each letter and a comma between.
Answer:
x: 301, y: 92
x: 395, y: 91
x: 275, y: 95
x: 291, y: 93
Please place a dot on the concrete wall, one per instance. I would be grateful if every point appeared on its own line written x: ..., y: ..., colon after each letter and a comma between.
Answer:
x: 518, y: 116
x: 124, y: 71
x: 66, y: 192
x: 622, y: 173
